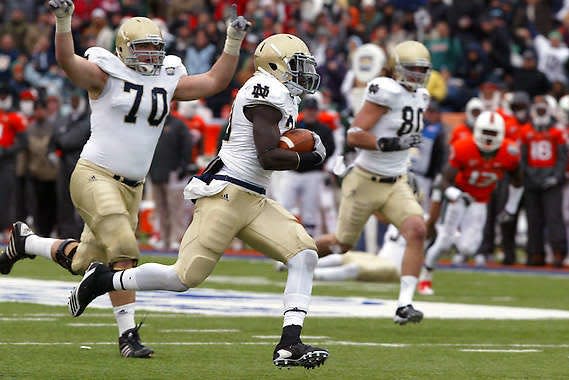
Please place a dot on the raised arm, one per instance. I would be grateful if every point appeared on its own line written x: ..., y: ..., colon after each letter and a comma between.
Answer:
x: 80, y: 71
x: 219, y: 76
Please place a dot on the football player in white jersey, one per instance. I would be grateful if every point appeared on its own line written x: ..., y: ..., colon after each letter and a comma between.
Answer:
x: 130, y: 94
x: 386, y: 127
x: 230, y: 200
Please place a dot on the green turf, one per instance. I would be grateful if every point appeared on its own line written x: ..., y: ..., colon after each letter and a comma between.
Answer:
x: 434, y: 349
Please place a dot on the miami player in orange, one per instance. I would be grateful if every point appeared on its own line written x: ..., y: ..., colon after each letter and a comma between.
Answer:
x: 475, y: 164
x: 474, y: 107
x: 544, y: 159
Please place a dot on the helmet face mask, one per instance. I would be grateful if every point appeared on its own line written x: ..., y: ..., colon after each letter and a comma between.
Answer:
x: 140, y: 46
x: 489, y: 131
x: 303, y: 71
x: 287, y: 58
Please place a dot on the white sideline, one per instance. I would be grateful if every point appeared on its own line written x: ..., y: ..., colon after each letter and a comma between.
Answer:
x: 203, y: 301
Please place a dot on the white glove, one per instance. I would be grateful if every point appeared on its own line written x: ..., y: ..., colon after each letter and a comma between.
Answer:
x: 340, y: 166
x: 452, y: 193
x: 61, y: 8
x: 319, y: 148
x: 237, y: 27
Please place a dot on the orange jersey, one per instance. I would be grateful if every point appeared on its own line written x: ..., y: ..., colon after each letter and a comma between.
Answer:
x: 11, y: 123
x: 459, y: 132
x: 477, y: 175
x: 542, y: 145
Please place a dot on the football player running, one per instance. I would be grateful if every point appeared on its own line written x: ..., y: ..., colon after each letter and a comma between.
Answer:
x: 386, y: 127
x: 230, y: 200
x: 476, y: 164
x: 129, y: 94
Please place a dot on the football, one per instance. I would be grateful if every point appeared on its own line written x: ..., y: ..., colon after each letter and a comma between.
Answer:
x: 298, y: 140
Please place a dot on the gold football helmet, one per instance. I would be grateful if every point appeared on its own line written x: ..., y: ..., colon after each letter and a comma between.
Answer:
x: 139, y: 44
x: 410, y: 62
x: 287, y: 58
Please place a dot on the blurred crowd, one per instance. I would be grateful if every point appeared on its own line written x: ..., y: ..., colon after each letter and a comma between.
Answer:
x: 491, y: 51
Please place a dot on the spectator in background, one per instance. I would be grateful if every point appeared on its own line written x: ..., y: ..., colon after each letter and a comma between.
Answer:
x: 552, y: 56
x: 42, y: 169
x: 99, y: 27
x: 200, y: 54
x: 18, y: 28
x: 12, y: 140
x: 528, y: 78
x: 67, y: 142
x: 332, y: 74
x: 43, y: 56
x: 8, y: 55
x: 445, y: 49
x: 170, y: 171
x: 544, y: 158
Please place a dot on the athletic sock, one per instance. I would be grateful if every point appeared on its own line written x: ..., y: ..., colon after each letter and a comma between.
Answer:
x: 124, y: 315
x: 39, y: 246
x: 407, y: 290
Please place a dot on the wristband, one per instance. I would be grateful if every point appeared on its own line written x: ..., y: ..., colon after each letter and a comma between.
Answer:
x: 63, y: 24
x: 232, y: 46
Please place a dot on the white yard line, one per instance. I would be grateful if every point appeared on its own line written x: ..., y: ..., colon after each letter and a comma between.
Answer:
x: 465, y: 347
x: 216, y: 302
x: 500, y: 351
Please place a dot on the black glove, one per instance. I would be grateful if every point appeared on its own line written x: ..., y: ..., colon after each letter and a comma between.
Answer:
x: 392, y: 144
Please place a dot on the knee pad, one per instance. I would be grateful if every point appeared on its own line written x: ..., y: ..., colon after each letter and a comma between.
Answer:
x: 195, y: 271
x: 66, y: 260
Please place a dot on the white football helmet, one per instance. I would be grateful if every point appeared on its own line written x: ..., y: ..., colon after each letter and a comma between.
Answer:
x: 489, y: 131
x: 541, y: 112
x: 138, y: 31
x: 410, y: 62
x: 287, y: 58
x: 367, y: 62
x: 474, y: 107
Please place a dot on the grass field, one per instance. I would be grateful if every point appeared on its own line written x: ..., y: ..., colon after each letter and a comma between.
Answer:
x: 43, y: 342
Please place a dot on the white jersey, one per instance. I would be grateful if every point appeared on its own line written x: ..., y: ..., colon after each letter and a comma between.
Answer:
x: 127, y: 118
x: 405, y: 116
x: 238, y: 151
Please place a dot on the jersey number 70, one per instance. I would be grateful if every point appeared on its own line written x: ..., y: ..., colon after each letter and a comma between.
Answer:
x: 158, y: 93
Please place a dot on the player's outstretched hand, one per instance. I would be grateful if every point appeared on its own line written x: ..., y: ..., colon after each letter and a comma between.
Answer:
x: 237, y: 26
x: 61, y: 8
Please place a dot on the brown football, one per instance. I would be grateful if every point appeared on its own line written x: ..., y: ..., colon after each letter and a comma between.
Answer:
x: 298, y: 140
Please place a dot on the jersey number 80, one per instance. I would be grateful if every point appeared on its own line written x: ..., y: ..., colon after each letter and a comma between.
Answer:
x: 412, y: 123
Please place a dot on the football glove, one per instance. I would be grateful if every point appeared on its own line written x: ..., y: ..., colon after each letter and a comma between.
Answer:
x: 392, y: 144
x: 61, y: 8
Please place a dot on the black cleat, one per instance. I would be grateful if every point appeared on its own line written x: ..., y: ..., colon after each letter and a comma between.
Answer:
x: 130, y: 345
x: 16, y: 249
x: 87, y: 290
x: 406, y: 314
x: 299, y: 354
